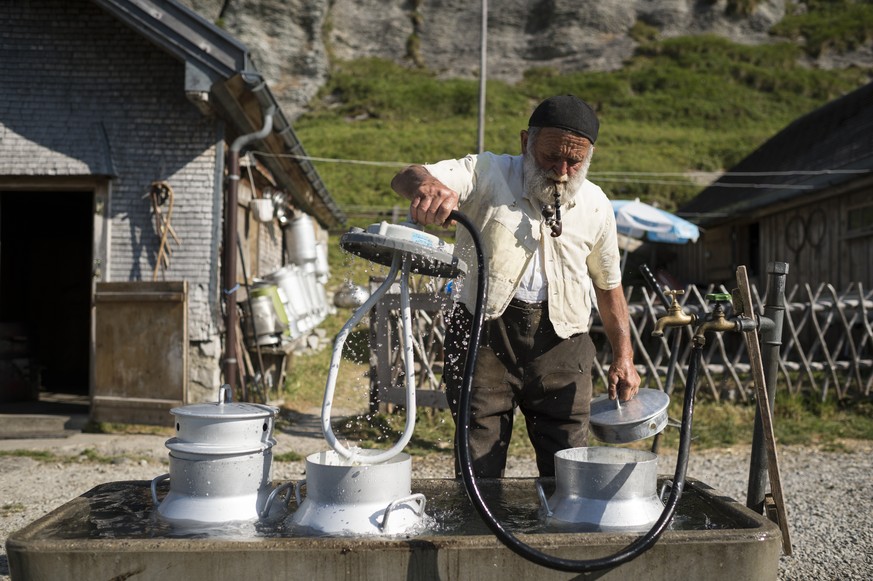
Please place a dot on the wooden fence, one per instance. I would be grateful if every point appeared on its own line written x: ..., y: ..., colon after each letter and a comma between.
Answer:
x: 827, y: 345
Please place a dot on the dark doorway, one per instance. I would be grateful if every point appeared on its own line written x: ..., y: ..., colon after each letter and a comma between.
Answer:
x: 46, y: 242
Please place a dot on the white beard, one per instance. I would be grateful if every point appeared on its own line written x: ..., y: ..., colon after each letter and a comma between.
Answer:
x: 541, y: 185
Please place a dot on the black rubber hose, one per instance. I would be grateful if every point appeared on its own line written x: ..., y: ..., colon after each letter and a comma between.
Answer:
x: 533, y: 555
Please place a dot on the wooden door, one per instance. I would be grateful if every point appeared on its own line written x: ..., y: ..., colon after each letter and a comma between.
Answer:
x: 140, y: 351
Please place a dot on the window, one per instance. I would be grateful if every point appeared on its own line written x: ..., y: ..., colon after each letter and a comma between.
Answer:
x: 859, y: 221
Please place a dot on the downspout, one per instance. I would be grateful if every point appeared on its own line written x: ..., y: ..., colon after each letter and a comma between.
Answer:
x: 231, y: 318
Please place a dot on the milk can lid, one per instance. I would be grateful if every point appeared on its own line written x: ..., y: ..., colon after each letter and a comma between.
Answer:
x: 647, y: 404
x: 225, y: 410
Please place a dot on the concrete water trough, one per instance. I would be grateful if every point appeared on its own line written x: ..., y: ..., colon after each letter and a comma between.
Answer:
x: 114, y: 532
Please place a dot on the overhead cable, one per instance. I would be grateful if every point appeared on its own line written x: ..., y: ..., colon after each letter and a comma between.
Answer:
x: 628, y: 176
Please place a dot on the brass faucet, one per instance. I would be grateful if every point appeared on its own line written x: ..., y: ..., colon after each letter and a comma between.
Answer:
x: 716, y: 321
x: 675, y: 316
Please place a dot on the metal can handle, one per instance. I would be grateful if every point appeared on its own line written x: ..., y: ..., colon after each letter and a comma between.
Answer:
x: 422, y: 501
x: 270, y: 499
x: 155, y: 481
x: 297, y: 486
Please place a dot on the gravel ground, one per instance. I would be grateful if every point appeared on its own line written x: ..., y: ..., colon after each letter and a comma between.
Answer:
x: 829, y: 494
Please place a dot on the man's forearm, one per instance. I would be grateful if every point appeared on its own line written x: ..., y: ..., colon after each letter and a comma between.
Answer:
x: 614, y: 313
x: 623, y: 379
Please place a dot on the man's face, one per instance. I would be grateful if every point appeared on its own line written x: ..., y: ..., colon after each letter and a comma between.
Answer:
x: 556, y: 160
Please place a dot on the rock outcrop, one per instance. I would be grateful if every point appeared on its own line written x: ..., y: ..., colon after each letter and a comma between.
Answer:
x: 293, y: 41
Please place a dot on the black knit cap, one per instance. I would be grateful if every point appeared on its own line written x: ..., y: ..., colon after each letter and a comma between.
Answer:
x: 567, y: 112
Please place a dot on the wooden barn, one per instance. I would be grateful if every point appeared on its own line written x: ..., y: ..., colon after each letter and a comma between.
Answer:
x: 804, y: 197
x: 127, y: 207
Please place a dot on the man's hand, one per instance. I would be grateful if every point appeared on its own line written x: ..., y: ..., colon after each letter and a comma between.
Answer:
x: 624, y: 381
x: 431, y: 201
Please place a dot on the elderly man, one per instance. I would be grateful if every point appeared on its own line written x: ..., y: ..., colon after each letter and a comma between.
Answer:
x: 550, y: 239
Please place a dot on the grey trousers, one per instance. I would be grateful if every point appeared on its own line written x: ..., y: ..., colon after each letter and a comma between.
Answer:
x: 522, y: 363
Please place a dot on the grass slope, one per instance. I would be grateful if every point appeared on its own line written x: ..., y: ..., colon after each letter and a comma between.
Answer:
x: 687, y: 104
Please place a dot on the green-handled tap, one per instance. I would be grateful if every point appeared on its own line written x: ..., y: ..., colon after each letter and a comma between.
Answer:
x: 716, y: 321
x: 719, y: 298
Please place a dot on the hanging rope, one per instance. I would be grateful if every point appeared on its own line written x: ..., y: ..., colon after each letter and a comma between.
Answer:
x: 161, y: 193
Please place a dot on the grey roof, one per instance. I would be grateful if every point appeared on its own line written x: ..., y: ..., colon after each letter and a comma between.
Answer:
x: 219, y: 65
x: 184, y: 34
x: 833, y: 145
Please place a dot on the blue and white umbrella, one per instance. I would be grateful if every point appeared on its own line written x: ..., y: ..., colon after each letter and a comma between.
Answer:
x: 645, y: 222
x: 634, y: 219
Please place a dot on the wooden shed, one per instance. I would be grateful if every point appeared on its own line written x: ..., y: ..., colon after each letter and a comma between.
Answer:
x: 117, y: 116
x: 804, y: 197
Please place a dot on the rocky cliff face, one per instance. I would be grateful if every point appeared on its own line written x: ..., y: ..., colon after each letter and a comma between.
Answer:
x: 564, y: 34
x: 292, y: 41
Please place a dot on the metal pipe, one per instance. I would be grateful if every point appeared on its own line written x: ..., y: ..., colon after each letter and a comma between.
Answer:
x: 231, y: 317
x: 483, y: 76
x: 674, y: 360
x: 771, y: 339
x: 349, y: 454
